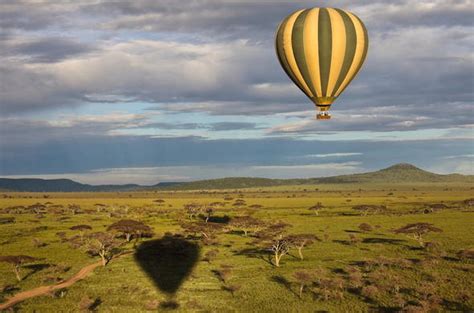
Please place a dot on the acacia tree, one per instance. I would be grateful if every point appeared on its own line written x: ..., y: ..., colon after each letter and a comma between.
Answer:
x: 37, y: 208
x: 209, y: 212
x: 246, y: 224
x: 417, y: 231
x: 192, y: 209
x: 82, y: 228
x: 367, y: 209
x: 303, y: 278
x: 316, y: 208
x: 301, y: 241
x: 102, y: 244
x: 17, y: 261
x: 74, y: 208
x: 207, y: 231
x: 99, y: 207
x: 273, y: 240
x: 131, y: 228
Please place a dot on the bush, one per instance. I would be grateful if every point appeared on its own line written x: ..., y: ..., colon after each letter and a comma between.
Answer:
x: 365, y: 227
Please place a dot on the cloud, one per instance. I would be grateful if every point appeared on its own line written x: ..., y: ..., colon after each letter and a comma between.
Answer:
x: 462, y: 156
x: 153, y: 175
x: 144, y: 70
x: 333, y: 155
x: 408, y: 117
x: 20, y: 131
x: 246, y: 19
x: 87, y: 143
x: 418, y: 66
x: 43, y: 49
x: 225, y: 126
x: 206, y: 66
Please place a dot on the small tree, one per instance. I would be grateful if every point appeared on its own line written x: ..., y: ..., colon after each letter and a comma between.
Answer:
x: 206, y: 230
x: 367, y: 209
x: 192, y: 209
x: 224, y: 273
x: 353, y: 239
x: 100, y: 207
x: 246, y: 224
x: 210, y: 255
x: 131, y: 228
x: 82, y: 228
x: 301, y: 241
x: 103, y: 245
x: 417, y: 231
x: 17, y: 261
x: 303, y: 278
x: 280, y: 247
x: 316, y: 208
x: 209, y: 211
x: 74, y: 208
x: 272, y: 239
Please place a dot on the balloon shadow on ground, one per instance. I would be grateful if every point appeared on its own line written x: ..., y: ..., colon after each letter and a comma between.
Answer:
x: 168, y: 261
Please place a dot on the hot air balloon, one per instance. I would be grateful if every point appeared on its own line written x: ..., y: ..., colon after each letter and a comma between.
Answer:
x: 321, y: 50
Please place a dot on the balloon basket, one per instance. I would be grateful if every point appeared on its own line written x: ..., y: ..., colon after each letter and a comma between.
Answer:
x: 323, y: 116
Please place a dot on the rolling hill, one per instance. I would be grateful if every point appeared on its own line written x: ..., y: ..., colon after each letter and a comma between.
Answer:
x: 398, y: 173
x: 57, y: 185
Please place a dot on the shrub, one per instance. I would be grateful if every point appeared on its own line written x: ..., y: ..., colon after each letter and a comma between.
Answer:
x: 365, y: 227
x: 7, y: 220
x: 370, y: 291
x: 303, y: 278
x: 232, y: 288
x: 210, y: 255
x: 466, y: 254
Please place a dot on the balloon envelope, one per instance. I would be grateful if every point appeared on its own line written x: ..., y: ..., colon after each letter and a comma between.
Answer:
x: 321, y: 50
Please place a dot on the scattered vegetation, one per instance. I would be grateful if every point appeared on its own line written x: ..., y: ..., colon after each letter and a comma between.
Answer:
x: 17, y: 261
x: 417, y: 231
x: 244, y: 250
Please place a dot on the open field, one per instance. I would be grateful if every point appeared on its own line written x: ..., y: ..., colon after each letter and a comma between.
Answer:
x: 348, y: 270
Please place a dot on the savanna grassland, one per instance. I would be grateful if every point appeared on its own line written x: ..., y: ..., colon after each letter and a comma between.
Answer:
x: 214, y: 251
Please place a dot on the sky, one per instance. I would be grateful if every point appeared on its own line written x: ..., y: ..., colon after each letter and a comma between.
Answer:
x: 146, y: 91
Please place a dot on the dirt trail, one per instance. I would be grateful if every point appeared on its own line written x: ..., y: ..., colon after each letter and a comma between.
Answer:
x: 42, y: 290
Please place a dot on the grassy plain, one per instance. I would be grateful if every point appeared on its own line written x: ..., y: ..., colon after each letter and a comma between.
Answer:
x: 124, y: 286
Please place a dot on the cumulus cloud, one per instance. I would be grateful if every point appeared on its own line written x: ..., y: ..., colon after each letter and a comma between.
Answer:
x: 145, y: 70
x: 21, y: 131
x: 216, y: 59
x: 383, y: 118
x: 42, y: 49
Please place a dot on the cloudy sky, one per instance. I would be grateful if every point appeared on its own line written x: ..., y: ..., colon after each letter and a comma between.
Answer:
x: 147, y: 91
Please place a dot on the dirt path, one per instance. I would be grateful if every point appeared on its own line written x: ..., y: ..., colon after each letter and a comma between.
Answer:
x: 42, y: 290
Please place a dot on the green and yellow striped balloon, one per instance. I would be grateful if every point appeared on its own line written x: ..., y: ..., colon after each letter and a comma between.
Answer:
x: 322, y: 50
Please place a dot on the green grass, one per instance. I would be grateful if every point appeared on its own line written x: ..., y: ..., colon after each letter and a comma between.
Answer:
x: 123, y: 285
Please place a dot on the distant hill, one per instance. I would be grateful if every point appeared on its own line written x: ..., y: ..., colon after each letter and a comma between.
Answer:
x: 56, y: 185
x: 398, y: 173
